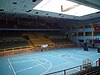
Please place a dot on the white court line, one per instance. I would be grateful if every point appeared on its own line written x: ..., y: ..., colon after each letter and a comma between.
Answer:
x: 19, y: 57
x: 86, y: 56
x: 38, y: 63
x: 40, y: 58
x: 24, y: 69
x: 60, y: 58
x: 60, y: 64
x: 27, y: 68
x: 30, y: 67
x: 11, y: 67
x: 36, y: 66
x: 64, y: 63
x: 55, y: 52
x: 57, y: 57
x: 77, y: 58
x: 83, y: 52
x: 76, y: 52
x: 64, y: 59
x: 78, y: 55
x: 21, y: 61
x: 48, y: 68
x: 44, y: 63
x: 94, y: 54
x: 59, y: 54
x: 65, y: 54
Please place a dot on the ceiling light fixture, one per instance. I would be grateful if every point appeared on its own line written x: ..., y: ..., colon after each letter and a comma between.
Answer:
x: 33, y: 0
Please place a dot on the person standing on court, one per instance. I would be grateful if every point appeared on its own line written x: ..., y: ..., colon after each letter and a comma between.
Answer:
x: 98, y: 61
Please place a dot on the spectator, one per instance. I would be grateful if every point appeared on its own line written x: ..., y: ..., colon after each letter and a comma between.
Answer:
x: 92, y: 44
x: 98, y: 61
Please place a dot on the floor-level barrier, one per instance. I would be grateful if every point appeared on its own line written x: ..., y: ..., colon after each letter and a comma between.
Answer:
x: 87, y: 64
x: 66, y: 70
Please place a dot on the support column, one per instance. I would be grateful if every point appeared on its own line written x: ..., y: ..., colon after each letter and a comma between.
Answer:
x: 84, y: 33
x: 70, y: 29
x: 92, y: 33
x: 77, y: 33
x: 92, y: 30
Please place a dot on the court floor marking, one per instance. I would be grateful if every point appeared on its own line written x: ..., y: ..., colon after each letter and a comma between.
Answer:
x: 70, y: 57
x: 17, y: 57
x: 43, y: 66
x: 38, y: 59
x: 62, y: 54
x: 30, y: 67
x: 11, y: 66
x: 59, y: 55
x: 66, y: 70
x: 94, y: 54
x: 87, y: 52
x: 44, y: 63
x: 76, y: 51
x: 20, y: 57
x: 78, y: 58
x: 88, y: 55
x: 62, y: 59
x: 85, y: 57
x: 21, y: 61
x: 27, y: 68
x: 78, y: 54
x: 56, y: 57
x: 60, y: 64
x: 48, y: 68
x: 56, y: 52
x: 79, y: 51
x: 38, y: 62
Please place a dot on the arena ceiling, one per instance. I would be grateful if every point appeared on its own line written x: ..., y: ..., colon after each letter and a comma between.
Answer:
x: 55, y: 8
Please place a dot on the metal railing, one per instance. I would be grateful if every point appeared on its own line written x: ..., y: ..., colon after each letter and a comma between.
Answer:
x: 66, y: 70
x: 86, y: 62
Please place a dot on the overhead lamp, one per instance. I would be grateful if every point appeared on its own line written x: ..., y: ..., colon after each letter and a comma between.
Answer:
x: 33, y: 0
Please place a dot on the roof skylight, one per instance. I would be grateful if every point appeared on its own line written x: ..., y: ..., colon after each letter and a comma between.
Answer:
x: 65, y: 7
